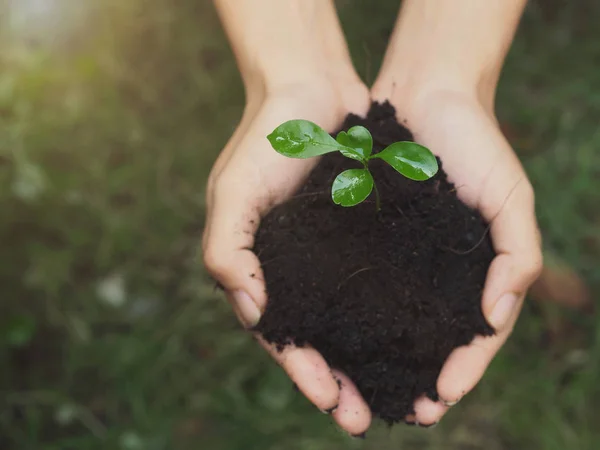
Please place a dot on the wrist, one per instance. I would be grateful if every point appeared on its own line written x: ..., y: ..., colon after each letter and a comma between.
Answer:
x: 281, y: 44
x: 334, y: 85
x: 455, y: 47
x: 260, y: 84
x: 416, y: 102
x: 410, y: 87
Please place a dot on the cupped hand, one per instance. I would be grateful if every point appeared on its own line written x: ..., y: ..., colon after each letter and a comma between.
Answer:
x: 247, y: 180
x: 489, y: 177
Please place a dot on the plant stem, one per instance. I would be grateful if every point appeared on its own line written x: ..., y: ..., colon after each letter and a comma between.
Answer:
x: 377, y: 197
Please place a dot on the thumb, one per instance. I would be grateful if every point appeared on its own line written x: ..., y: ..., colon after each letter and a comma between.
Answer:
x: 232, y: 221
x: 518, y: 262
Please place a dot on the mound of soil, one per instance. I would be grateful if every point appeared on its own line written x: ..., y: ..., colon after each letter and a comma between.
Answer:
x: 385, y: 297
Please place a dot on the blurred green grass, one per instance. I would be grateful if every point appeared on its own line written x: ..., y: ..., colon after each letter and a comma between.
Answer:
x: 112, y: 337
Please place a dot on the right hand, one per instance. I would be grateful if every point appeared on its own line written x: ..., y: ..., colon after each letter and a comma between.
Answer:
x: 247, y: 180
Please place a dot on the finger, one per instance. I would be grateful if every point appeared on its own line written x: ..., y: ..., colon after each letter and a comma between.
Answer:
x: 518, y: 263
x: 353, y: 413
x: 307, y: 368
x: 229, y: 258
x: 428, y: 412
x: 517, y: 242
x: 228, y: 243
x: 465, y: 366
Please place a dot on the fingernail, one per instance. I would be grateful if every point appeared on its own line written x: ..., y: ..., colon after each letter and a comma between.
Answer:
x: 431, y: 425
x: 360, y: 436
x: 339, y: 382
x: 245, y: 308
x: 330, y: 410
x: 503, y: 311
x: 450, y: 404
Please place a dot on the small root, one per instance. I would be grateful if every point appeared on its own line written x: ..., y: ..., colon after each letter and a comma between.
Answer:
x: 489, y: 224
x: 307, y: 194
x: 397, y: 208
x: 352, y: 275
x: 472, y: 249
x: 269, y: 261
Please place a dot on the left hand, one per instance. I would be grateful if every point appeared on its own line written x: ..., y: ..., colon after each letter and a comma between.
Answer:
x: 479, y: 161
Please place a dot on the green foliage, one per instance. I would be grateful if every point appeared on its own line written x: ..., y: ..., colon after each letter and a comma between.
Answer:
x: 351, y: 187
x: 410, y: 159
x: 304, y: 139
x: 357, y: 138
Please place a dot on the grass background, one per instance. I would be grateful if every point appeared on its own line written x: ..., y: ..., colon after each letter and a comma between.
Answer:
x: 112, y: 337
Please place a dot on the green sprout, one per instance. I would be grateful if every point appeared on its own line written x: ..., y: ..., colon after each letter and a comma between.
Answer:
x: 304, y: 139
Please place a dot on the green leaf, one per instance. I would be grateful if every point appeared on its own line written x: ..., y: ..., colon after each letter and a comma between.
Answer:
x: 302, y: 139
x: 410, y: 159
x: 351, y: 187
x: 357, y: 138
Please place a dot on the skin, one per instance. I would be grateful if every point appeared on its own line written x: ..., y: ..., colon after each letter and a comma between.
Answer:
x: 440, y: 72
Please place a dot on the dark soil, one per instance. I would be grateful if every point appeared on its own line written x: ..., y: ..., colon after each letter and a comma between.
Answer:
x: 384, y: 297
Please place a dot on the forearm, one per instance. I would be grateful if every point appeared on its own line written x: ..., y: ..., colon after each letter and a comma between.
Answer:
x: 284, y: 42
x: 459, y: 44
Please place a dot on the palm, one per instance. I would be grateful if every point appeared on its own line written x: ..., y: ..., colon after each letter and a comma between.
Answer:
x: 474, y: 154
x: 249, y: 164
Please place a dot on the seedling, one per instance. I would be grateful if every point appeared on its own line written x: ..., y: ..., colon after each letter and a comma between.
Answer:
x: 304, y: 139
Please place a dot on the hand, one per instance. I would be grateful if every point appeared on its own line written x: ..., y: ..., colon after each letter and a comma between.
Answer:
x: 247, y: 180
x: 488, y: 176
